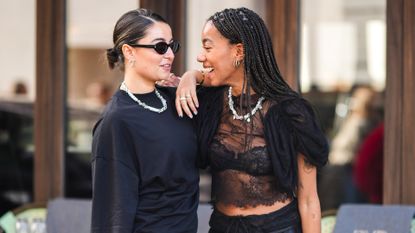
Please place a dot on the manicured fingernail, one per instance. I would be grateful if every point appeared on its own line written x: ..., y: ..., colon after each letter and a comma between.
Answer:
x: 195, y: 112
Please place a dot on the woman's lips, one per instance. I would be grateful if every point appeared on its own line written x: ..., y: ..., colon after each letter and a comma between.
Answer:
x: 207, y: 71
x: 166, y: 67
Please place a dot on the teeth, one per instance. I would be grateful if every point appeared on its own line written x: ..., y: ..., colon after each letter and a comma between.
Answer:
x: 207, y: 70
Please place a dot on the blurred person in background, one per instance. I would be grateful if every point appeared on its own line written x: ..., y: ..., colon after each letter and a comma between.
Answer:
x: 337, y: 184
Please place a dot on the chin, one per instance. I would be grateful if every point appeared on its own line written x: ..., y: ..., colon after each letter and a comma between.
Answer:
x: 164, y: 77
x: 217, y: 80
x: 216, y: 83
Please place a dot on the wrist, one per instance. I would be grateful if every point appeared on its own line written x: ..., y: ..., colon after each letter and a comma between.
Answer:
x: 200, y: 77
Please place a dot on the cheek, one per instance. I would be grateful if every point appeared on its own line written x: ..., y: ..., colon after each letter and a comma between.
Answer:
x: 220, y: 60
x: 225, y: 64
x: 148, y: 67
x: 149, y: 63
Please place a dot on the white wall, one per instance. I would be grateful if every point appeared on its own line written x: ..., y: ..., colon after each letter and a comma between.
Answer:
x: 337, y: 37
x: 91, y: 22
x: 17, y: 39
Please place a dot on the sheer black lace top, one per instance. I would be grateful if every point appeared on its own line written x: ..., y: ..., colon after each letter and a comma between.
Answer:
x: 260, y: 168
x: 242, y: 171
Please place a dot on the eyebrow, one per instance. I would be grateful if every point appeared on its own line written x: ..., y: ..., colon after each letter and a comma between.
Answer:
x: 205, y: 40
x: 161, y: 39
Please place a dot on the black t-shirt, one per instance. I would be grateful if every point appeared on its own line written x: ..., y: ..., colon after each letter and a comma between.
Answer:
x: 145, y: 177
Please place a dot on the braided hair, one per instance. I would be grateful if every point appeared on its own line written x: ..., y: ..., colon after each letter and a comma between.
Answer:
x: 129, y: 28
x: 242, y: 25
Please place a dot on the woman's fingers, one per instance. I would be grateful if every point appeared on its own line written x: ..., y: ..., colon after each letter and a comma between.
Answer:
x: 186, y: 98
x: 190, y: 103
x: 183, y: 103
x: 179, y: 106
x: 185, y: 107
x: 194, y: 97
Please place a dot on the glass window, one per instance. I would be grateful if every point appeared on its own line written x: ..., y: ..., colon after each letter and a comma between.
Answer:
x: 343, y: 69
x: 17, y: 94
x: 90, y: 82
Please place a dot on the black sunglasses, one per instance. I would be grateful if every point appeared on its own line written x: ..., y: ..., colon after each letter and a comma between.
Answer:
x: 160, y: 47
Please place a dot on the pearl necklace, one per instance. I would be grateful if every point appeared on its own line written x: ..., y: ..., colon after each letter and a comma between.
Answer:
x: 142, y: 104
x: 246, y: 117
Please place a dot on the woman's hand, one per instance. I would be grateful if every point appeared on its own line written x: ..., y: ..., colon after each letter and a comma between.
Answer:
x: 186, y: 98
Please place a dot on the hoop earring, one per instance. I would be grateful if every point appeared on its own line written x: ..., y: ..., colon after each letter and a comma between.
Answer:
x: 236, y: 63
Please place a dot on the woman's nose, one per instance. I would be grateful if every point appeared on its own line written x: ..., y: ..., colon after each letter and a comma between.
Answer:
x: 201, y: 57
x: 169, y: 53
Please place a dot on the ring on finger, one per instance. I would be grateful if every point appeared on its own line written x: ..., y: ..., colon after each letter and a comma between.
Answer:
x: 182, y: 98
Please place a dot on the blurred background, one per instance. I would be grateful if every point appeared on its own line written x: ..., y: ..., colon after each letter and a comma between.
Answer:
x: 339, y: 66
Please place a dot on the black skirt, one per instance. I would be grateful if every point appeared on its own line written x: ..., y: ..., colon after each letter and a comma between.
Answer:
x: 284, y: 220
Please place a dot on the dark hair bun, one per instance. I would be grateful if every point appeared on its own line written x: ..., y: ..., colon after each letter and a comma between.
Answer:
x: 112, y: 57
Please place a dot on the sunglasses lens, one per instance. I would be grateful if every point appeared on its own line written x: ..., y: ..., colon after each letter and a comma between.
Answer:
x: 161, y: 47
x: 175, y: 46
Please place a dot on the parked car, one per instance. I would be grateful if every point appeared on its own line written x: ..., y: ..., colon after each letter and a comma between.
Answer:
x: 17, y: 152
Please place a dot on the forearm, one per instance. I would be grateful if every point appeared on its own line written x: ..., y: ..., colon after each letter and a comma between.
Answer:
x: 310, y: 215
x: 196, y: 75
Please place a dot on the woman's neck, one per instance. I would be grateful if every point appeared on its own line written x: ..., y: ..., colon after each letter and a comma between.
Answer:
x: 138, y: 85
x: 237, y: 82
x: 237, y: 89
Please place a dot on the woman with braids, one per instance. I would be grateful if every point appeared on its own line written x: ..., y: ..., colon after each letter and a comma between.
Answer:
x: 259, y: 137
x: 144, y: 170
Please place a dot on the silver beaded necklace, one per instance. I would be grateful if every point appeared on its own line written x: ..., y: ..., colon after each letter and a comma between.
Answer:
x: 246, y: 117
x: 123, y: 87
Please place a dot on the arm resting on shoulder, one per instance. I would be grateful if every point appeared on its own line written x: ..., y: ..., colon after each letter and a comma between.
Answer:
x: 186, y: 97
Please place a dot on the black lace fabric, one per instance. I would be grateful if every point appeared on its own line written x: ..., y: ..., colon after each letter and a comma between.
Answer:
x: 242, y: 173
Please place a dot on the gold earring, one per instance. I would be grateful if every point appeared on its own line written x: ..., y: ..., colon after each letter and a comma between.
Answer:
x: 236, y: 63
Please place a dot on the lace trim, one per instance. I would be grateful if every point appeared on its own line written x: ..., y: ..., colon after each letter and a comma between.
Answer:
x: 239, y: 189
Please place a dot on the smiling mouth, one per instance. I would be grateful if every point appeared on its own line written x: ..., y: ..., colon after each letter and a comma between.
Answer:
x: 166, y: 66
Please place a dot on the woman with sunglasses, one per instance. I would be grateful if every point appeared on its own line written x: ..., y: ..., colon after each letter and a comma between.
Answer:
x: 260, y: 139
x: 144, y: 170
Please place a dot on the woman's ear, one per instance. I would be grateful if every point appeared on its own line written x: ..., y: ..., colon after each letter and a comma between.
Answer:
x: 240, y: 52
x: 127, y: 51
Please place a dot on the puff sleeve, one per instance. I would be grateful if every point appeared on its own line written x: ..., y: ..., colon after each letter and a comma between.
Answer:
x: 290, y: 128
x: 207, y: 120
